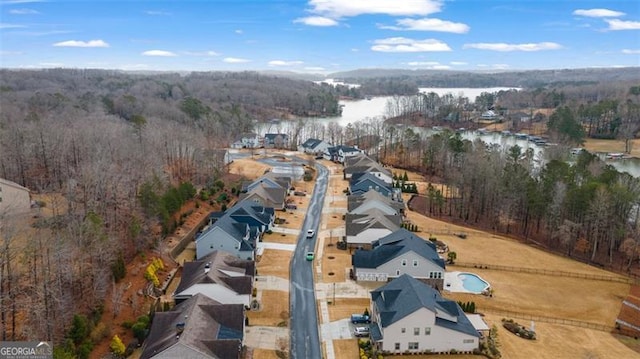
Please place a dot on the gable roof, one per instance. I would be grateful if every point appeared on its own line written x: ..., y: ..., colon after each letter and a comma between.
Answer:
x: 221, y: 268
x: 356, y: 200
x: 272, y: 195
x: 365, y: 168
x: 394, y: 245
x: 208, y: 327
x: 251, y: 213
x: 233, y: 228
x: 311, y: 143
x: 405, y: 295
x: 273, y: 136
x: 369, y: 181
x: 374, y: 218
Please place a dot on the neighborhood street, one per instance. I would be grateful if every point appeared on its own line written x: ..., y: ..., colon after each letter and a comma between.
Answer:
x: 305, y: 342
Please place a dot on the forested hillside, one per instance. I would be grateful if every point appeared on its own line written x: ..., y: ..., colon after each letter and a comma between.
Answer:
x: 110, y: 155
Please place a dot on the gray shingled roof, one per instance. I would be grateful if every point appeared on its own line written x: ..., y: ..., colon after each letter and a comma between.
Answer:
x: 251, y: 213
x: 394, y: 245
x: 362, y: 184
x: 356, y: 223
x: 405, y: 295
x: 210, y: 328
x: 311, y: 143
x: 218, y: 261
x: 356, y: 200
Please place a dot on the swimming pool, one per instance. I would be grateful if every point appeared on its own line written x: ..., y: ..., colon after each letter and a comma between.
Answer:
x: 473, y: 283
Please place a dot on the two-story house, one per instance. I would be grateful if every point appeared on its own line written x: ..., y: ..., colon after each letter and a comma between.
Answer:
x: 408, y: 316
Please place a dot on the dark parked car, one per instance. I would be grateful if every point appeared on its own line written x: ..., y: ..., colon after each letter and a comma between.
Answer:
x: 359, y: 319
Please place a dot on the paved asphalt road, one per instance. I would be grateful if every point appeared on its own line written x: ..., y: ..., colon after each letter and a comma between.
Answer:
x: 305, y: 340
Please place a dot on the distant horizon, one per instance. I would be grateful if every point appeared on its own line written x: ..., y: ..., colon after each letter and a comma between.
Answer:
x: 319, y: 36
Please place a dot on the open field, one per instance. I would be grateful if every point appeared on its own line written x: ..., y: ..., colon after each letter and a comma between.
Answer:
x: 596, y: 145
x: 274, y: 309
x: 274, y: 262
x: 280, y: 238
x: 344, y: 307
x: 337, y: 264
x: 264, y: 354
x: 248, y: 168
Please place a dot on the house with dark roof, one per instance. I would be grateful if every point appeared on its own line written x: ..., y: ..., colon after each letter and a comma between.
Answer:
x: 228, y: 235
x: 276, y: 140
x: 362, y: 163
x: 198, y: 328
x: 398, y: 253
x: 359, y: 204
x: 256, y: 216
x: 314, y: 146
x: 220, y: 276
x: 363, y: 229
x: 270, y: 180
x: 408, y: 316
x: 365, y: 182
x: 340, y: 153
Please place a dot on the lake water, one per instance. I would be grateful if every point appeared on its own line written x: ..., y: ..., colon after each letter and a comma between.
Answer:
x: 360, y: 110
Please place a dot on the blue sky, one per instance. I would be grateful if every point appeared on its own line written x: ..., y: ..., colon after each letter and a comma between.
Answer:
x: 319, y: 36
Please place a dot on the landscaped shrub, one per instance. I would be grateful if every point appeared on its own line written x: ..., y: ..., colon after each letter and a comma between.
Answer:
x: 518, y: 329
x: 117, y: 347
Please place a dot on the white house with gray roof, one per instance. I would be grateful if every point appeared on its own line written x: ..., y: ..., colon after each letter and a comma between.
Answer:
x: 363, y: 229
x: 359, y: 204
x: 409, y: 316
x: 399, y: 253
x: 227, y: 235
x: 314, y: 146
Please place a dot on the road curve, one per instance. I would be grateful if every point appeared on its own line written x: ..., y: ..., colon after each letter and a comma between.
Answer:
x: 305, y: 340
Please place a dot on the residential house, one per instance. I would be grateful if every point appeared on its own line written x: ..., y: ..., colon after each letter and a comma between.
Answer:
x: 364, y: 229
x: 227, y: 235
x: 14, y: 199
x: 314, y: 146
x: 247, y: 140
x: 340, y: 153
x: 398, y: 253
x: 220, y: 276
x: 276, y: 140
x: 489, y: 115
x: 361, y: 203
x: 408, y: 316
x: 270, y: 180
x: 199, y: 327
x: 365, y: 182
x: 267, y: 196
x: 364, y: 164
x: 256, y: 216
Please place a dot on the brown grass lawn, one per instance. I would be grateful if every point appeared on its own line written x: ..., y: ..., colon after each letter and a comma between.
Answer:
x: 274, y: 309
x: 332, y: 220
x: 274, y: 262
x: 341, y: 260
x: 248, y: 168
x: 558, y: 297
x: 346, y: 348
x: 280, y: 238
x: 264, y: 354
x: 344, y: 307
x: 596, y: 145
x: 559, y: 341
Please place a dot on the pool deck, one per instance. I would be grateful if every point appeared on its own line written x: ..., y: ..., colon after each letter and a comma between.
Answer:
x: 453, y: 283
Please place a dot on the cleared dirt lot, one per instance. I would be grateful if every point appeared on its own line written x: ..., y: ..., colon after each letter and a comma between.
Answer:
x: 273, y: 312
x: 274, y: 262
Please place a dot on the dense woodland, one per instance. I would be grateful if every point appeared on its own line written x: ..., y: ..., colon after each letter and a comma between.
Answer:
x: 115, y: 153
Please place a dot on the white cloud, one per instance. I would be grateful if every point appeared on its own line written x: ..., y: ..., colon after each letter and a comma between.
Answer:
x: 239, y: 32
x: 598, y: 13
x: 423, y: 63
x: 235, y: 60
x: 458, y: 63
x: 23, y: 12
x: 157, y: 13
x: 615, y: 24
x: 316, y: 21
x: 402, y: 44
x: 159, y: 53
x: 11, y: 26
x: 540, y: 46
x: 336, y: 9
x: 203, y: 53
x: 427, y: 24
x: 631, y: 52
x: 284, y: 63
x: 76, y: 43
x: 314, y: 68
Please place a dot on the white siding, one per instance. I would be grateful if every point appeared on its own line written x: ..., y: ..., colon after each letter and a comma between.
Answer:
x: 421, y: 271
x: 217, y: 239
x: 14, y: 199
x: 440, y: 340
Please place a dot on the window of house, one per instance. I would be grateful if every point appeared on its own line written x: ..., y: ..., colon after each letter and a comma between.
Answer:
x: 397, y: 346
x: 404, y: 262
x: 416, y: 331
x: 467, y: 341
x: 427, y: 331
x: 403, y: 330
x: 415, y: 262
x: 398, y: 272
x: 413, y: 345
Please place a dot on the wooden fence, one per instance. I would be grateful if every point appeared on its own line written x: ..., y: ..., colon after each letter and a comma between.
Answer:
x: 549, y: 272
x: 539, y: 318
